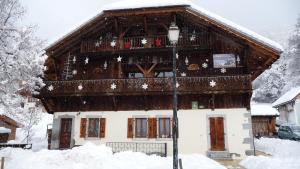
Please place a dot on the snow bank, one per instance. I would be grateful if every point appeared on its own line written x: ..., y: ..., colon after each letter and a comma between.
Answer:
x: 90, y: 156
x: 285, y: 155
x: 4, y: 130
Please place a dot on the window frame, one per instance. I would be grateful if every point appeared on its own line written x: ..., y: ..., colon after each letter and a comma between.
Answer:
x: 135, y: 127
x: 87, y: 127
x: 158, y: 127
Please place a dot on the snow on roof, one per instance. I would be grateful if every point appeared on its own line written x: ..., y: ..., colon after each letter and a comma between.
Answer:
x: 4, y: 130
x: 130, y: 4
x: 288, y: 96
x: 263, y: 109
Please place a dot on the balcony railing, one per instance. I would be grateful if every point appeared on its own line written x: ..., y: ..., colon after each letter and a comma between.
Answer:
x: 138, y: 86
x: 147, y: 148
x: 130, y: 43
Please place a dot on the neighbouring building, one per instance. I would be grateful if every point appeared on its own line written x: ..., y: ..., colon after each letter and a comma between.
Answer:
x: 8, y: 126
x: 288, y: 106
x: 109, y: 81
x: 263, y: 119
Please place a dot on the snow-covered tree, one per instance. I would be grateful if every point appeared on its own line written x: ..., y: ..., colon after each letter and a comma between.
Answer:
x: 21, y: 63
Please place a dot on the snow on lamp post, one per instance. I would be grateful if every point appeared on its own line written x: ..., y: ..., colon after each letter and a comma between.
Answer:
x: 173, y: 35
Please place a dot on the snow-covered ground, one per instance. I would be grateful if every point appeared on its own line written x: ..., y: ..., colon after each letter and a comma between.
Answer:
x: 91, y: 156
x: 39, y: 133
x: 285, y: 155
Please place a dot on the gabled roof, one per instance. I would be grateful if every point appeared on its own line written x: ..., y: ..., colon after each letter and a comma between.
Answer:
x: 287, y: 97
x: 228, y: 25
x: 263, y: 109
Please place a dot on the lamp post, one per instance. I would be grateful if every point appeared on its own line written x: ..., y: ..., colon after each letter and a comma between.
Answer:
x: 173, y: 35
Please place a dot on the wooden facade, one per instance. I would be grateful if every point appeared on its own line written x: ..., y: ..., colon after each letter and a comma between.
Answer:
x: 122, y: 60
x: 263, y: 126
x: 10, y: 124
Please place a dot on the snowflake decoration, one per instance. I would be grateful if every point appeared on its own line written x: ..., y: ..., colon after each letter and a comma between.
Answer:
x: 177, y: 55
x: 223, y: 70
x: 97, y: 44
x: 86, y: 61
x: 145, y: 86
x: 183, y: 74
x: 212, y: 83
x: 74, y: 59
x: 74, y: 72
x: 50, y: 88
x: 119, y: 59
x: 144, y: 41
x: 192, y: 38
x: 204, y: 65
x: 113, y: 43
x: 113, y: 86
x: 80, y: 87
x: 177, y: 84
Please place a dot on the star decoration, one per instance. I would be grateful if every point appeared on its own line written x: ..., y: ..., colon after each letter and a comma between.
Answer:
x: 145, y: 86
x: 223, y: 70
x: 177, y: 84
x: 113, y: 43
x: 192, y: 38
x: 206, y: 60
x: 97, y: 44
x: 177, y: 55
x: 204, y: 65
x: 80, y: 87
x: 74, y: 72
x: 183, y: 74
x: 144, y: 41
x: 113, y: 86
x: 212, y: 83
x: 119, y: 59
x: 50, y: 88
x: 86, y: 61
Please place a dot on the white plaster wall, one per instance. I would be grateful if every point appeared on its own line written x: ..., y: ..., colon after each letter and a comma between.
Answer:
x: 193, y: 128
x: 297, y: 110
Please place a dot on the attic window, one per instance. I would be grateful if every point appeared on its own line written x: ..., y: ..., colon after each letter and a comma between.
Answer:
x: 224, y: 60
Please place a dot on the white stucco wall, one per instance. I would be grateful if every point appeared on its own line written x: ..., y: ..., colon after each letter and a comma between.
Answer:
x: 193, y: 128
x: 297, y: 110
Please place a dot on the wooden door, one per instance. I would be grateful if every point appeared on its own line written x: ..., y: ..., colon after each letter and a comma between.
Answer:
x: 65, y: 133
x: 217, y: 140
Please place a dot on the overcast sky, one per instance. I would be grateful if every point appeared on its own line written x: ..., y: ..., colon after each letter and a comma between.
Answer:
x: 55, y: 18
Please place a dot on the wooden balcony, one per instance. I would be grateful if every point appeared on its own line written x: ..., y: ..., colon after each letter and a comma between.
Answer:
x: 187, y: 85
x: 154, y: 42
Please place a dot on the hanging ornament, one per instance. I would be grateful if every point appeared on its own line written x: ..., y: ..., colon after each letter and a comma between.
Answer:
x: 238, y: 60
x: 212, y: 83
x: 177, y: 85
x: 105, y: 65
x: 183, y: 74
x: 145, y: 86
x: 206, y: 60
x: 97, y: 44
x: 86, y: 61
x: 84, y: 102
x: 50, y: 88
x: 113, y: 86
x: 113, y: 43
x: 127, y: 45
x: 177, y: 55
x: 74, y: 59
x: 80, y: 87
x: 74, y: 72
x: 158, y: 42
x: 204, y: 65
x: 186, y: 61
x: 119, y: 59
x: 144, y: 41
x: 223, y: 70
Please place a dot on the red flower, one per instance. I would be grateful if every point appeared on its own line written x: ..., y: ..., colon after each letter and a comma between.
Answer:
x: 158, y: 42
x: 127, y: 45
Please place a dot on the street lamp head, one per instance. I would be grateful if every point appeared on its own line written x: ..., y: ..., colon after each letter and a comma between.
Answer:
x: 173, y: 33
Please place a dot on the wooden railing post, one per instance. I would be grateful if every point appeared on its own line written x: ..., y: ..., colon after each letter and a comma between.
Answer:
x: 2, y: 162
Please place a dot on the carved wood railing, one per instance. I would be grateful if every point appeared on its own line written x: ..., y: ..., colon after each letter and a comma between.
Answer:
x: 187, y: 85
x: 131, y: 43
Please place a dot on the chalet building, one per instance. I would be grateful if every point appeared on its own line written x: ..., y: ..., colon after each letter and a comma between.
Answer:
x: 289, y: 106
x: 263, y: 119
x: 109, y: 81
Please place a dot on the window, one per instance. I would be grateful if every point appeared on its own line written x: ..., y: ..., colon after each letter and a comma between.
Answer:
x: 141, y: 127
x: 224, y: 60
x: 93, y: 127
x: 164, y: 127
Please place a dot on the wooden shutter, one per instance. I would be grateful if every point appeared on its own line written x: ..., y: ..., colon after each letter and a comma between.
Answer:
x: 130, y: 128
x: 102, y: 127
x: 82, y: 127
x: 152, y: 128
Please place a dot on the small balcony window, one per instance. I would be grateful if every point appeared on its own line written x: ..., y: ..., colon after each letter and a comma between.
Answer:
x: 224, y: 60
